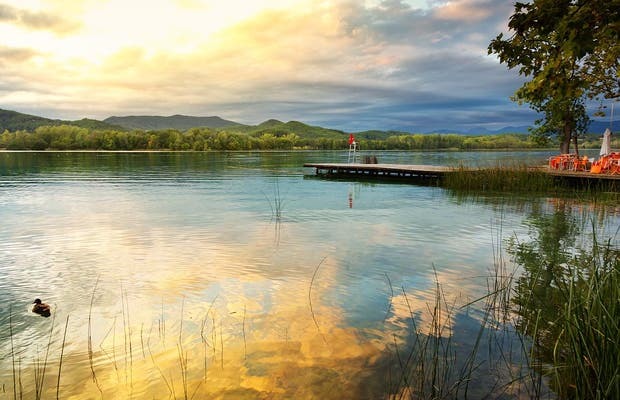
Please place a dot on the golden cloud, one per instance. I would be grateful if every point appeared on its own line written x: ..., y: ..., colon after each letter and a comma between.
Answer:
x: 37, y: 20
x: 469, y: 11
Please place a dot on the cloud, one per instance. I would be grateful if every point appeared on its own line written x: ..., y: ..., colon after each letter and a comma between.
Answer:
x: 342, y: 64
x: 36, y: 20
x: 468, y: 11
x: 12, y: 54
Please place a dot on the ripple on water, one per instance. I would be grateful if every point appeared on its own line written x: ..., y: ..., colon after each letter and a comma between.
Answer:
x: 180, y: 242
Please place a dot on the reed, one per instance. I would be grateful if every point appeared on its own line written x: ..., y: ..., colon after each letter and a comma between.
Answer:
x: 39, y: 373
x: 277, y: 204
x: 142, y: 340
x: 425, y: 367
x: 127, y: 336
x: 182, y: 354
x: 316, y: 323
x: 586, y: 351
x: 204, y: 339
x: 517, y: 178
x: 567, y: 302
x: 90, y: 340
x: 429, y: 367
x: 389, y: 306
x: 168, y: 384
x: 62, y: 351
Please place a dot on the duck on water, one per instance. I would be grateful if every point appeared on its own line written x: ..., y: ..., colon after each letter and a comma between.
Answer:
x: 41, y: 308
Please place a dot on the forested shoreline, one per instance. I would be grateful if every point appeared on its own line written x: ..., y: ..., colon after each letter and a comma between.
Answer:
x: 68, y: 137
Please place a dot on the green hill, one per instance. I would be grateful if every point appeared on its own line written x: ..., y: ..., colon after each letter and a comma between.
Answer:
x: 16, y: 121
x: 270, y: 123
x: 378, y: 135
x: 279, y: 128
x: 179, y: 122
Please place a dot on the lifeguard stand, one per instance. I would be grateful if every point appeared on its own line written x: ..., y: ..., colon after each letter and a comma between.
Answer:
x: 352, y: 158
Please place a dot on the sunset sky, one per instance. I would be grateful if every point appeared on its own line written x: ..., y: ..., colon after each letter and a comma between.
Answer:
x: 354, y: 65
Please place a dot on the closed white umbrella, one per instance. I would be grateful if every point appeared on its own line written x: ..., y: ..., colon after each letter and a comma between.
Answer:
x: 606, y: 146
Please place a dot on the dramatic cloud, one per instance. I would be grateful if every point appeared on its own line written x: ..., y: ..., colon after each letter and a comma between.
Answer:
x: 350, y: 65
x: 36, y: 20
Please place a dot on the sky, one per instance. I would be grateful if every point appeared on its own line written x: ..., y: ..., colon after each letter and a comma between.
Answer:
x: 415, y: 65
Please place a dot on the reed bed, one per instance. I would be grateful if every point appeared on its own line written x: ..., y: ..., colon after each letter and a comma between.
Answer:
x: 523, y: 178
x: 516, y: 178
x: 577, y: 343
x: 550, y: 325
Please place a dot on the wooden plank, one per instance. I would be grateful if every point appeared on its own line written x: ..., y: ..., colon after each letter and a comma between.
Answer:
x: 380, y: 170
x: 429, y: 171
x: 384, y: 167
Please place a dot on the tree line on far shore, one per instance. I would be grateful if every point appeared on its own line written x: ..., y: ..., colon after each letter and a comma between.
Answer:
x: 67, y: 137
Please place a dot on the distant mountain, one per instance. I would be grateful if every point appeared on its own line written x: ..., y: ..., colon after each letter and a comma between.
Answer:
x: 179, y: 122
x: 514, y: 129
x: 279, y: 128
x: 482, y: 131
x: 15, y: 121
x: 270, y: 123
x: 596, y: 126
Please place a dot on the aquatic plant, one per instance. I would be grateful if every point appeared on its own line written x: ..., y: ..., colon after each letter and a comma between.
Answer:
x: 522, y: 178
x: 567, y: 302
x: 516, y: 178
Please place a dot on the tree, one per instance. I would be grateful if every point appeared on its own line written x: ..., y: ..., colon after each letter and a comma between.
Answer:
x: 571, y: 50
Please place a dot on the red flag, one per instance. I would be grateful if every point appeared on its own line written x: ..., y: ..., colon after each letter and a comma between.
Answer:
x: 351, y: 138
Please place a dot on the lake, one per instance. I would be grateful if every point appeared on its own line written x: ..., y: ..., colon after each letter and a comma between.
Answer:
x: 242, y: 275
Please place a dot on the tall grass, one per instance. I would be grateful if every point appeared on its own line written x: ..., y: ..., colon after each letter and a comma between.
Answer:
x: 431, y: 359
x: 40, y: 369
x: 517, y: 178
x: 90, y: 341
x: 276, y: 205
x: 563, y: 310
x: 522, y: 178
x: 586, y: 342
x: 432, y: 365
x: 62, y: 351
x: 568, y: 302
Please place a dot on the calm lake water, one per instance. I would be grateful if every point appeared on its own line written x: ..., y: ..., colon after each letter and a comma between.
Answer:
x: 241, y: 275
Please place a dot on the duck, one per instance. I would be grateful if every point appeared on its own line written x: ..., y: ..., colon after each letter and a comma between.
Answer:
x: 41, y: 308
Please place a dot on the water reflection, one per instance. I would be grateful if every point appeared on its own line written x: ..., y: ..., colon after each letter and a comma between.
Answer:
x: 202, y: 286
x: 566, y: 299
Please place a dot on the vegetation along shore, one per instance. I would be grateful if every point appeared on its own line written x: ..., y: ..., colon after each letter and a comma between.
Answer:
x: 281, y: 136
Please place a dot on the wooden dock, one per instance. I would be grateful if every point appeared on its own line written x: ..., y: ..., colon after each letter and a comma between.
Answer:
x: 380, y: 170
x: 434, y: 173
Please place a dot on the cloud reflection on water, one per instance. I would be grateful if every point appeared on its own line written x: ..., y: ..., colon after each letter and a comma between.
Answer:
x: 203, y: 256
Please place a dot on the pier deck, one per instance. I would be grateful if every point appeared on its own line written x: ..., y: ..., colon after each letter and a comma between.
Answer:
x: 380, y: 170
x: 434, y: 172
